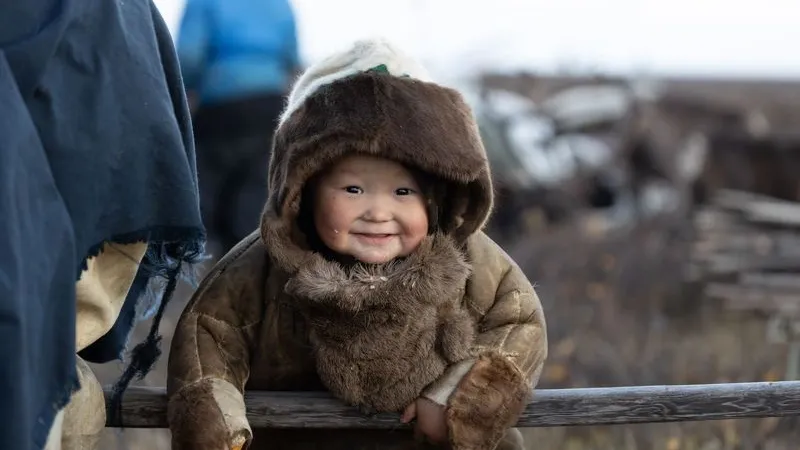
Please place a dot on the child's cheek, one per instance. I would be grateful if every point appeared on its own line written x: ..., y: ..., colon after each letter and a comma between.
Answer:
x: 418, y: 227
x: 330, y: 221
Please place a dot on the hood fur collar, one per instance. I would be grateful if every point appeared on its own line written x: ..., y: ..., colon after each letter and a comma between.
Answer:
x: 436, y: 270
x: 381, y: 333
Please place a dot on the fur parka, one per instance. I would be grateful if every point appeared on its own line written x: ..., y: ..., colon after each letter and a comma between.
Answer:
x: 457, y: 321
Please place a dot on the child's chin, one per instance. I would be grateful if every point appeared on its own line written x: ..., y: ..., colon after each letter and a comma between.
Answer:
x: 375, y: 259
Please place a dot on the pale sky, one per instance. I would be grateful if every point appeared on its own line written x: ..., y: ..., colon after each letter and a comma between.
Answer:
x: 453, y: 37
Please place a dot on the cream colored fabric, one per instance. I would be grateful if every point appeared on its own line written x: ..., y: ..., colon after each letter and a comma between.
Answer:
x: 54, y: 437
x: 85, y: 414
x: 102, y: 289
x: 440, y: 392
x: 78, y: 425
x: 100, y: 293
x: 512, y: 440
x: 231, y: 403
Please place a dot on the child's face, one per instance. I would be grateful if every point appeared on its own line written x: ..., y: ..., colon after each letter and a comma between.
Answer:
x: 371, y: 209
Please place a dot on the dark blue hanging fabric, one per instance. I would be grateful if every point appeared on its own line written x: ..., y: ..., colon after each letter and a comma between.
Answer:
x: 95, y: 146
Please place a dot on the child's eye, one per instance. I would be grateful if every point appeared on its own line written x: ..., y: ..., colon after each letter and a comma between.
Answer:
x: 404, y: 191
x: 353, y: 190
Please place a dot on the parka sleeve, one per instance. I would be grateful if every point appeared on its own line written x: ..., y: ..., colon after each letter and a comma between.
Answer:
x: 485, y: 395
x: 210, y: 354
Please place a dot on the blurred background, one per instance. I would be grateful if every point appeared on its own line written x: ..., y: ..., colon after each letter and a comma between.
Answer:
x: 647, y: 165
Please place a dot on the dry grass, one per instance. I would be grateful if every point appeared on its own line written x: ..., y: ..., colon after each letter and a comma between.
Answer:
x: 617, y: 314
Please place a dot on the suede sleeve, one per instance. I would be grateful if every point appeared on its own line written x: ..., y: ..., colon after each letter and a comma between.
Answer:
x: 210, y: 354
x: 485, y: 395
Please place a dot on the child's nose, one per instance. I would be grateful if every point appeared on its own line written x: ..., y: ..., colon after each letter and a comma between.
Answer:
x: 378, y: 212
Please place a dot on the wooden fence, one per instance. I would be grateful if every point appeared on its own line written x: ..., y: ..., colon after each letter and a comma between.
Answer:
x: 146, y: 407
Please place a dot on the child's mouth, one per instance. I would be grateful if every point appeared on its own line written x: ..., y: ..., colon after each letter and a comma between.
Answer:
x: 374, y: 238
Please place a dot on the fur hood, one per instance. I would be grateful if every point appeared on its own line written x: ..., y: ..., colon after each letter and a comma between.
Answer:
x: 382, y: 113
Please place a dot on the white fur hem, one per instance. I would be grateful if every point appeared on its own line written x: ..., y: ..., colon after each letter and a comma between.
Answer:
x: 361, y: 56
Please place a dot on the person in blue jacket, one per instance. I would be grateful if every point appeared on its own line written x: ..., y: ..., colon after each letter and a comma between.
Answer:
x: 238, y: 59
x: 98, y: 198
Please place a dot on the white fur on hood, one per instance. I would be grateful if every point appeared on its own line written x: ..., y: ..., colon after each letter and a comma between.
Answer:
x: 361, y: 56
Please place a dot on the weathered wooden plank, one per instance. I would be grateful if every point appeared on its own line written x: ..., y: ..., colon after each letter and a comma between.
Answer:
x: 146, y: 407
x: 720, y: 265
x: 739, y: 200
x: 737, y: 211
x: 744, y: 294
x: 754, y: 239
x: 772, y: 280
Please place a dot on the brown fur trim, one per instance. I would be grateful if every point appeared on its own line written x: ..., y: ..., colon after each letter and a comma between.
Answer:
x: 486, y: 403
x: 381, y: 333
x: 195, y: 420
x: 436, y: 271
x: 422, y: 125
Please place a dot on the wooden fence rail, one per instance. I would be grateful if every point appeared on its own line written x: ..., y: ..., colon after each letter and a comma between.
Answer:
x: 146, y: 407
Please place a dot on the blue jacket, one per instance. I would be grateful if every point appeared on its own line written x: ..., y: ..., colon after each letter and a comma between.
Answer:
x: 232, y: 48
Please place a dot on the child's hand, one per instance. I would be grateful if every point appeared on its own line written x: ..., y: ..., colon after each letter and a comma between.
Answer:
x: 431, y: 420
